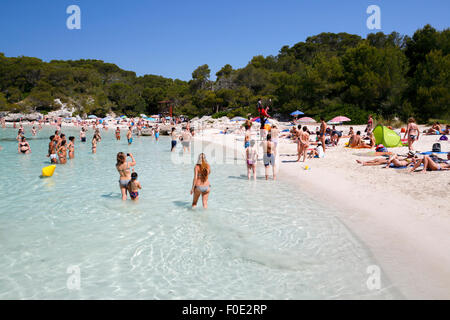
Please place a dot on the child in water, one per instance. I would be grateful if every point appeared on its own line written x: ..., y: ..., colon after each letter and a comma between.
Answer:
x: 134, y: 186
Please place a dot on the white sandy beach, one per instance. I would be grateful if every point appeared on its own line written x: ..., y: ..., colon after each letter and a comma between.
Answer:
x: 404, y: 218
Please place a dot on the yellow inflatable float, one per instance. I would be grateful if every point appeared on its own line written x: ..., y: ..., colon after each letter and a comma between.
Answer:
x: 48, y: 171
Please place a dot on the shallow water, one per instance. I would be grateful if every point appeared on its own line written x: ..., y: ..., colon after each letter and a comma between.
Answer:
x: 257, y: 240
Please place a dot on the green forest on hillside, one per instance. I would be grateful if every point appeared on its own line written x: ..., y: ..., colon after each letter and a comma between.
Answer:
x: 388, y: 75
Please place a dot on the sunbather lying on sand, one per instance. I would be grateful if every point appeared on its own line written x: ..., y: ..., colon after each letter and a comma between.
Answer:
x: 430, y: 165
x: 399, y: 161
x: 374, y: 162
x: 435, y: 129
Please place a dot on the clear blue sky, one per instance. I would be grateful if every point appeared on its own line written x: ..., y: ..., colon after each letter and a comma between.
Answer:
x: 172, y: 38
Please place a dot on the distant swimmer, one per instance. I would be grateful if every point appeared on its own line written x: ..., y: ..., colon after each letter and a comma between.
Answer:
x: 200, y: 183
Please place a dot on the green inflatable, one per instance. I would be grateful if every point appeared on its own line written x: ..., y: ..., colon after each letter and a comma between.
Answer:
x: 387, y: 137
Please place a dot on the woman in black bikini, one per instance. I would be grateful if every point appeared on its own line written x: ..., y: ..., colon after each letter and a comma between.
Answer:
x: 200, y: 183
x: 123, y: 167
x: 24, y: 146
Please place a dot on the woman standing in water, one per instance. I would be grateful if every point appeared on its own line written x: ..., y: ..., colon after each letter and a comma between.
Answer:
x: 24, y: 146
x: 123, y: 167
x: 71, y: 147
x: 62, y: 152
x: 200, y: 184
x: 94, y: 144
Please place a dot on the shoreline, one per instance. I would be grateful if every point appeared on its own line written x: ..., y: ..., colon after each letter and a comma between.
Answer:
x: 407, y: 238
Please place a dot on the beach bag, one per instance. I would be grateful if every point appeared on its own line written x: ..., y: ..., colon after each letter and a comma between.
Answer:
x: 436, y: 147
x: 443, y: 138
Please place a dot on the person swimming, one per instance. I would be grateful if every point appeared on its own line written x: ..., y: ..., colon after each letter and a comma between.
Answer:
x: 123, y: 167
x: 200, y: 183
x: 134, y: 186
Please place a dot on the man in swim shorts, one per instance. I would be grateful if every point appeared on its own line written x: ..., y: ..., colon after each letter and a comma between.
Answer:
x: 186, y: 140
x: 173, y: 135
x: 269, y: 156
x: 129, y: 136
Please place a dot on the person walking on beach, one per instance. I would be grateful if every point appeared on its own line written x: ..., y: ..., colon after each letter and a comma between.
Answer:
x: 129, y: 136
x: 124, y: 169
x: 322, y: 132
x: 412, y: 131
x: 251, y: 157
x: 369, y: 125
x: 71, y: 147
x: 200, y: 183
x: 118, y: 134
x: 133, y: 187
x: 173, y: 135
x: 24, y: 146
x: 304, y: 142
x: 269, y: 156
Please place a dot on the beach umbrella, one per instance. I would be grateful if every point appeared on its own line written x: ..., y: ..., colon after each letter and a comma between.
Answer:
x: 167, y: 118
x: 92, y: 116
x: 296, y: 113
x: 307, y: 120
x: 340, y: 119
x: 123, y: 117
x: 238, y: 119
x: 151, y: 119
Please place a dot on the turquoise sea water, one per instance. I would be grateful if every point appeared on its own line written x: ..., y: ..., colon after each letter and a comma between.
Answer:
x: 257, y: 240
